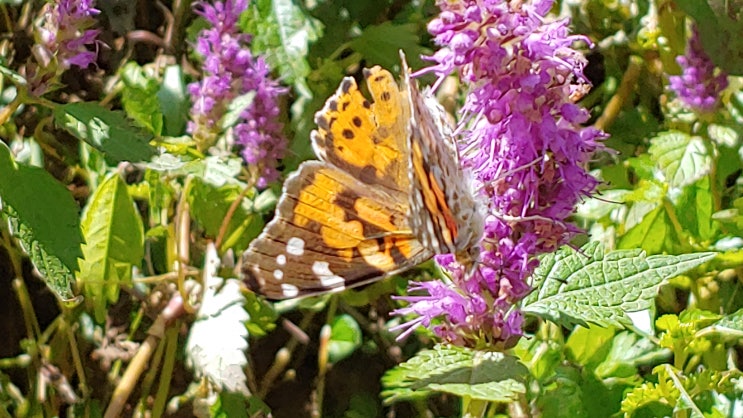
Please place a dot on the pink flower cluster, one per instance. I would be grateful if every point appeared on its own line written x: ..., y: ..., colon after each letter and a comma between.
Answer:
x: 231, y: 70
x: 522, y: 139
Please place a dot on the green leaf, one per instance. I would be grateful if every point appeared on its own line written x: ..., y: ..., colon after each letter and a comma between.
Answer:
x: 262, y: 315
x: 282, y: 32
x: 694, y: 210
x: 683, y: 159
x: 380, y: 43
x: 44, y: 217
x: 564, y: 397
x: 107, y: 131
x: 174, y: 101
x: 139, y: 98
x: 209, y: 206
x: 588, y: 286
x: 345, y: 338
x: 57, y: 276
x: 114, y: 244
x: 488, y: 376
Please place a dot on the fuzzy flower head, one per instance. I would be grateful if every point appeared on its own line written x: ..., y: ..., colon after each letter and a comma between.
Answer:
x: 699, y: 86
x: 231, y: 70
x: 523, y: 142
x: 64, y: 39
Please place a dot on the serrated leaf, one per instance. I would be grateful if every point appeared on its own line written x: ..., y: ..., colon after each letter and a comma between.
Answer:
x: 139, y: 98
x: 588, y: 286
x: 44, y: 217
x: 683, y: 159
x: 114, y: 243
x: 282, y: 32
x: 345, y: 338
x: 489, y: 376
x: 218, y: 338
x: 105, y: 130
x: 57, y: 276
x: 174, y: 101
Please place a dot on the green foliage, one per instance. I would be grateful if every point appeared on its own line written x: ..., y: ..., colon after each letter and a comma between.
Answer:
x: 591, y: 286
x: 487, y: 376
x: 139, y: 98
x: 107, y: 131
x: 345, y: 338
x: 113, y: 244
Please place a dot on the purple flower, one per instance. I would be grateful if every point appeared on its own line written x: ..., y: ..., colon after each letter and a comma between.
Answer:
x: 64, y: 38
x: 699, y: 85
x: 522, y: 140
x: 231, y: 70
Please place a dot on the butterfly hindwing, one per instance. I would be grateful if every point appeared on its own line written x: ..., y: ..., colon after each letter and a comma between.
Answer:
x: 444, y: 213
x: 330, y: 232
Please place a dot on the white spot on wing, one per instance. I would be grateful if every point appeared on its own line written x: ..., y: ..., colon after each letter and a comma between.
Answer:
x: 295, y: 246
x: 327, y: 278
x: 278, y: 274
x: 281, y: 259
x: 289, y: 290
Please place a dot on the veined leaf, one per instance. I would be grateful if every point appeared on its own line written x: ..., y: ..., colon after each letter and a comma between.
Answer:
x: 44, y: 218
x: 589, y: 286
x: 105, y: 130
x: 489, y: 376
x: 140, y: 98
x: 217, y: 341
x: 683, y: 159
x: 114, y: 244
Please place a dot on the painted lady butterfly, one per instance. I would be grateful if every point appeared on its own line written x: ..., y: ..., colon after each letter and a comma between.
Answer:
x: 386, y: 194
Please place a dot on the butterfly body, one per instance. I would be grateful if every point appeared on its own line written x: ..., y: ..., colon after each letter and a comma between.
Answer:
x: 386, y: 194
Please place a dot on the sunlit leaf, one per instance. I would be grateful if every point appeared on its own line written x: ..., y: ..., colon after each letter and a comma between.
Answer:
x: 114, y: 243
x: 44, y: 217
x: 345, y: 338
x: 589, y: 286
x: 489, y: 376
x: 105, y: 130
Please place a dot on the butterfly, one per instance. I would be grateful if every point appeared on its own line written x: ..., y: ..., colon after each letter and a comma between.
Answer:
x: 386, y: 194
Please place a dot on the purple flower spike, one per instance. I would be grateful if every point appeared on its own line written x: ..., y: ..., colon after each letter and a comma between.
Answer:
x: 231, y: 70
x: 64, y: 39
x: 699, y: 85
x: 523, y: 142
